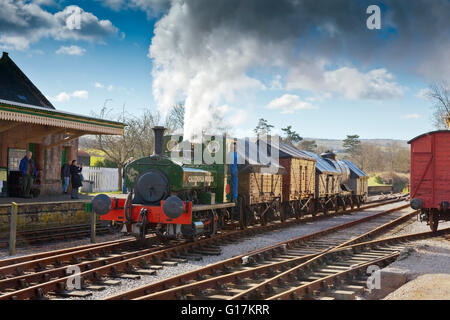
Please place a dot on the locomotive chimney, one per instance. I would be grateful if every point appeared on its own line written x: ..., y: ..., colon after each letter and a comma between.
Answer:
x: 159, y: 134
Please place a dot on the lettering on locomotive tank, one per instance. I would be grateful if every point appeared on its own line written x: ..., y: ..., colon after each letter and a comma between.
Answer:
x: 197, y: 179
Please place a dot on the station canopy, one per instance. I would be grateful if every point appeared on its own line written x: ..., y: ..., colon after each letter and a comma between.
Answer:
x: 21, y: 103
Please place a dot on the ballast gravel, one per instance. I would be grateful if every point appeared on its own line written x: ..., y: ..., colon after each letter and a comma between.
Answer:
x: 242, y: 247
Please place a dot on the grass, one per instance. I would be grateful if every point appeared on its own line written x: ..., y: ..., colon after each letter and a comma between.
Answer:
x: 374, y: 183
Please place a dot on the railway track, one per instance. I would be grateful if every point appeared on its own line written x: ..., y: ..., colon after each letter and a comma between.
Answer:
x: 285, y: 272
x: 192, y: 285
x: 46, y: 235
x: 34, y: 277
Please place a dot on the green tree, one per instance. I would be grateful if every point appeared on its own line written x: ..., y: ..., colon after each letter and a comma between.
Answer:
x: 263, y: 127
x: 352, y: 144
x: 308, y: 145
x: 291, y: 137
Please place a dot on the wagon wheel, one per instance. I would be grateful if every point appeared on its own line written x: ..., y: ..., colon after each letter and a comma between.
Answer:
x: 284, y: 212
x: 324, y: 208
x: 434, y: 220
x: 352, y: 203
x: 335, y: 205
x: 310, y: 208
x: 344, y: 205
x: 243, y: 221
x: 293, y: 212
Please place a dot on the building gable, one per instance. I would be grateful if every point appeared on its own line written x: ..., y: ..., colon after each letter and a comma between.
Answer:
x: 15, y: 86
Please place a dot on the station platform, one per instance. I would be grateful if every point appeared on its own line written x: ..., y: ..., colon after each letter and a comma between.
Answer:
x: 45, y: 212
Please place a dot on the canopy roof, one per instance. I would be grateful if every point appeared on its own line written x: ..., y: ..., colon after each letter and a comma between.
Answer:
x: 22, y: 102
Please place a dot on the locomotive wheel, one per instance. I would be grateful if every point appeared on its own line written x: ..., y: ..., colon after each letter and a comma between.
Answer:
x: 434, y: 221
x: 213, y: 217
x: 116, y: 226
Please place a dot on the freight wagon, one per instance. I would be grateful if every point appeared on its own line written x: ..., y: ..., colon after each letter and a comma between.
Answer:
x: 430, y: 176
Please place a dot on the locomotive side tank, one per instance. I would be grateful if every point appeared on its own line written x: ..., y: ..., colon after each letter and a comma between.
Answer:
x: 430, y: 176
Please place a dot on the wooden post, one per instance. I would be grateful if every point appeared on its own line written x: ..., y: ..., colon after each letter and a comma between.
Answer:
x: 93, y: 226
x: 13, y: 229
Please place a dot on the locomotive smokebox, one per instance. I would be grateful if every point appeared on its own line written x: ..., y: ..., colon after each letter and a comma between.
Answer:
x: 159, y: 134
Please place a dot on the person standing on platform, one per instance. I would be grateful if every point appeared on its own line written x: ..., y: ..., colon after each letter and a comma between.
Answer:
x: 65, y: 176
x: 28, y: 169
x: 75, y: 172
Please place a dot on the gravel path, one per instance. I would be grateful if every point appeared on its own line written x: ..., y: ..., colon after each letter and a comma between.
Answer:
x: 426, y: 265
x: 424, y: 287
x: 229, y: 251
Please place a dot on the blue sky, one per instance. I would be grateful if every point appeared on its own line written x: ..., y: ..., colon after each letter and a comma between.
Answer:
x: 79, y: 72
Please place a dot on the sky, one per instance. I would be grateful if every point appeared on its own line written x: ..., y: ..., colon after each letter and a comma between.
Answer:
x: 314, y: 65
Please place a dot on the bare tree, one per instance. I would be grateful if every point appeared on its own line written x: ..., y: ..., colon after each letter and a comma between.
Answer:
x: 118, y: 149
x: 439, y: 93
x: 140, y: 130
x: 175, y: 119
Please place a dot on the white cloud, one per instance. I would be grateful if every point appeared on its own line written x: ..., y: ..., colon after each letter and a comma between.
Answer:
x: 62, y: 97
x: 151, y: 7
x: 289, y: 103
x: 23, y: 23
x: 81, y: 94
x: 71, y: 50
x: 423, y: 93
x: 110, y: 87
x: 377, y: 84
x: 412, y: 116
x: 65, y: 97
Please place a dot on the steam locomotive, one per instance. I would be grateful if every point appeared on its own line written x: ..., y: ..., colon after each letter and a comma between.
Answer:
x: 237, y: 186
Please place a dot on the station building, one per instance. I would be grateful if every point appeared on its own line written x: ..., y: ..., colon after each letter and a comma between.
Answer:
x: 28, y: 121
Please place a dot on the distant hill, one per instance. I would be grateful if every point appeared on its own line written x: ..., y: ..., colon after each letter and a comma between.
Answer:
x: 336, y: 145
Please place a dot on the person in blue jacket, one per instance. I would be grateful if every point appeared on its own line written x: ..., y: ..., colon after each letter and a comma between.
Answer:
x: 28, y: 170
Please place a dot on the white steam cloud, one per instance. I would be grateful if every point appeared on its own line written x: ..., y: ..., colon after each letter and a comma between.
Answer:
x: 206, y: 53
